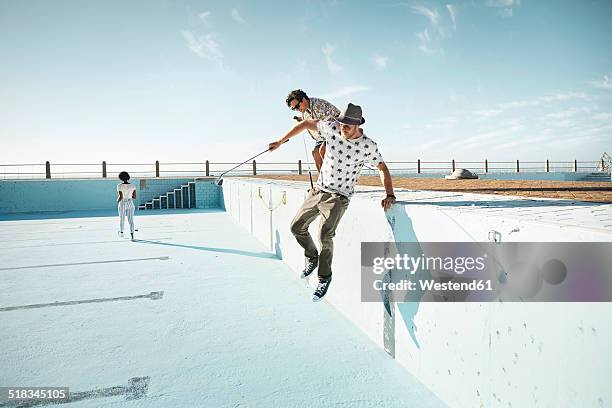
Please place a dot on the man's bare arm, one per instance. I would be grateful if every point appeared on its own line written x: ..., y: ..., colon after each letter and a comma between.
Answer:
x: 310, y: 124
x: 385, y: 178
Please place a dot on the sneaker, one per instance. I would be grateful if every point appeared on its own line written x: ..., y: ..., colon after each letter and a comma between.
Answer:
x: 132, y: 234
x: 311, y: 265
x: 321, y: 290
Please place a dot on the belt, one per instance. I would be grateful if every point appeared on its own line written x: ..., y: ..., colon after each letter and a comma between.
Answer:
x: 318, y: 190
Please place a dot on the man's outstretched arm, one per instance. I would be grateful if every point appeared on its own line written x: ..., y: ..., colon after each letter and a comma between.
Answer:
x: 310, y: 124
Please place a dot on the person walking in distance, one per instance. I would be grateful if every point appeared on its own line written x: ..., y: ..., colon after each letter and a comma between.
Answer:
x: 348, y: 149
x: 126, y: 196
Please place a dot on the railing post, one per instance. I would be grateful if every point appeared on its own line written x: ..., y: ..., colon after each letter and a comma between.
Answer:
x: 207, y: 168
x: 486, y: 166
x: 547, y: 166
x: 156, y: 168
x: 453, y: 164
x: 419, y: 166
x: 300, y: 167
x: 518, y: 169
x: 47, y: 170
x: 104, y: 169
x: 575, y: 166
x: 254, y: 168
x: 603, y: 166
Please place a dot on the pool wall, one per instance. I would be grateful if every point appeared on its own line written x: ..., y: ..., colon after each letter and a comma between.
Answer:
x: 468, y: 354
x: 21, y: 196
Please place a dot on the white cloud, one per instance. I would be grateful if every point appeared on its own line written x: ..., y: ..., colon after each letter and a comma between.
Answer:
x: 454, y: 98
x: 506, y: 6
x: 564, y: 96
x: 424, y: 36
x: 519, y: 104
x: 452, y: 10
x: 381, y: 61
x: 429, y: 145
x: 427, y: 50
x: 205, y: 17
x: 503, y: 3
x: 487, y: 138
x: 431, y: 38
x: 204, y: 46
x: 562, y: 115
x: 328, y: 51
x: 299, y: 70
x: 603, y: 83
x: 432, y: 15
x: 488, y: 113
x: 442, y: 123
x: 602, y: 116
x: 426, y: 42
x: 562, y: 123
x: 599, y: 129
x: 346, y: 91
x: 530, y: 141
x: 566, y: 143
x: 237, y: 17
x: 543, y: 99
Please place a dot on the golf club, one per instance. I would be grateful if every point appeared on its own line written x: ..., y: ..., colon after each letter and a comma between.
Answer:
x: 219, y: 180
x: 297, y: 118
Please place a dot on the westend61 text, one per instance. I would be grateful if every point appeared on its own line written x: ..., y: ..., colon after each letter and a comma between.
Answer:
x: 431, y: 284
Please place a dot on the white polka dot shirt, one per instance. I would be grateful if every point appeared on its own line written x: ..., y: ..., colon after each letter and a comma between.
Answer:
x: 344, y: 159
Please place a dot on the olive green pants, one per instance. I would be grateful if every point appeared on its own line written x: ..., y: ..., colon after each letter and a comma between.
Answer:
x: 331, y: 208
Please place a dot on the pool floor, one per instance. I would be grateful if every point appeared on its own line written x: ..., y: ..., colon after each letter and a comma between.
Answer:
x: 195, y: 313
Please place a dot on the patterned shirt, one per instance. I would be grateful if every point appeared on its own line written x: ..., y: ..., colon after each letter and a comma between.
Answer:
x: 344, y: 159
x: 319, y: 109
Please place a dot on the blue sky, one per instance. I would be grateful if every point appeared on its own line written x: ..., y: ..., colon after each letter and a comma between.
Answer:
x: 85, y: 81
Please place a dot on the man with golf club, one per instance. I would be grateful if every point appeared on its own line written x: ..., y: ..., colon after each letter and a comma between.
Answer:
x: 312, y: 108
x: 348, y: 149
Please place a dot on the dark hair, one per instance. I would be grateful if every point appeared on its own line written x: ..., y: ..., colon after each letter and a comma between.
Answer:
x: 297, y: 94
x: 124, y: 176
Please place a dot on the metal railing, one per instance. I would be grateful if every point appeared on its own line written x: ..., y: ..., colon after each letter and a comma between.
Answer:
x: 50, y: 170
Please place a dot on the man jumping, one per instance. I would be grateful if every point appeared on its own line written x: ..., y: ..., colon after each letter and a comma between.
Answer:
x: 348, y: 148
x: 312, y: 108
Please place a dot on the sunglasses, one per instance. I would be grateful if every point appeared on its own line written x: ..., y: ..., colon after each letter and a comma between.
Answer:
x: 296, y: 106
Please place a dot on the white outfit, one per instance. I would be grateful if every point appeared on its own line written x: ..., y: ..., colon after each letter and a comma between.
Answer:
x: 344, y: 159
x: 126, y: 206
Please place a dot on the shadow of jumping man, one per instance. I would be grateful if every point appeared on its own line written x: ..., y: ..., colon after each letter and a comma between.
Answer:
x: 277, y: 247
x: 231, y: 251
x: 408, y: 305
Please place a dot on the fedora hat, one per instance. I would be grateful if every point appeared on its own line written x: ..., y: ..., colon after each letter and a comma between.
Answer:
x: 351, y: 115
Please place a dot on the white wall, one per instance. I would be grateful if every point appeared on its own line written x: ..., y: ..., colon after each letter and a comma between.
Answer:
x: 469, y: 354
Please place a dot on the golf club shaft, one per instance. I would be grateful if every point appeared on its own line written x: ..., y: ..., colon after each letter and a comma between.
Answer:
x: 247, y: 160
x: 234, y: 168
